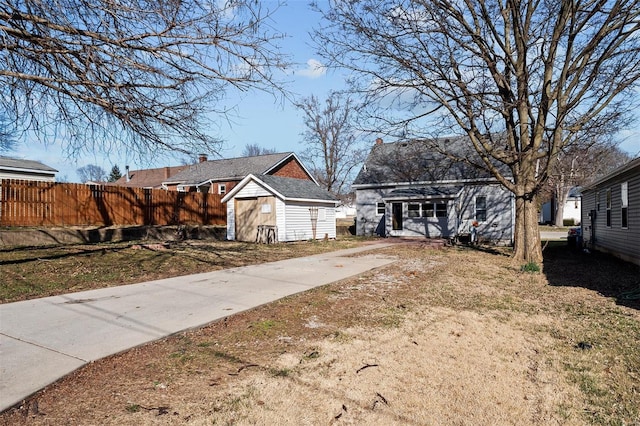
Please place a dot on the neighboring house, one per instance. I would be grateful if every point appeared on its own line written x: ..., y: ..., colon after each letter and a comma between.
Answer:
x: 279, y: 208
x: 406, y: 190
x: 147, y: 178
x: 14, y: 168
x: 611, y: 212
x: 220, y: 176
x: 572, y: 211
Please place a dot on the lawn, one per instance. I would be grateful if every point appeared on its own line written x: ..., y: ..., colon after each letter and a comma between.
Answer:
x: 30, y: 272
x: 453, y: 336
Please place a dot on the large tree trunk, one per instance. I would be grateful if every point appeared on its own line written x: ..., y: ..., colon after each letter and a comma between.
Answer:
x: 527, y: 244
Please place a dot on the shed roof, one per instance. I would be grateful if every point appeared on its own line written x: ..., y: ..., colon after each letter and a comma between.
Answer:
x: 287, y: 188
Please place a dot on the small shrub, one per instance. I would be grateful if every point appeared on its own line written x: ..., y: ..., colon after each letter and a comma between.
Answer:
x: 531, y: 267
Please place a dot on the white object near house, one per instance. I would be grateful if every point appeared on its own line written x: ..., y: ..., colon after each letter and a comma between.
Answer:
x: 281, y: 204
x: 572, y: 209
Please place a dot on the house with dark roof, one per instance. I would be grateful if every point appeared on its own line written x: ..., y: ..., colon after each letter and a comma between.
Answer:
x: 220, y: 176
x: 611, y: 213
x: 148, y: 178
x: 15, y: 168
x: 408, y: 189
x: 273, y: 208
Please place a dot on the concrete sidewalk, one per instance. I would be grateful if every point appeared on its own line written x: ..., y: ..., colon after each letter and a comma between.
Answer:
x: 42, y: 340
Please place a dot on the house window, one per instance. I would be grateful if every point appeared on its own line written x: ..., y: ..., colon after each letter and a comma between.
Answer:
x: 427, y: 210
x: 481, y: 208
x: 624, y: 197
x: 222, y: 188
x: 608, y: 207
x: 413, y: 210
x: 380, y: 209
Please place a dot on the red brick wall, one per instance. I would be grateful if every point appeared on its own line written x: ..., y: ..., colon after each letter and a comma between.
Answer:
x: 291, y: 169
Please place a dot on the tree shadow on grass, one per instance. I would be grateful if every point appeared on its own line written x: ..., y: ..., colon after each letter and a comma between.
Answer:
x: 606, y: 274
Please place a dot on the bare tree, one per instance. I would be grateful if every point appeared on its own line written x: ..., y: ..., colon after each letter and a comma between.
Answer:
x: 521, y: 79
x: 578, y: 165
x: 91, y: 173
x: 7, y: 137
x: 332, y: 148
x: 252, y: 150
x: 135, y: 75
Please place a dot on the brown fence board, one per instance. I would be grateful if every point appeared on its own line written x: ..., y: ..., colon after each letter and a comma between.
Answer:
x: 31, y: 203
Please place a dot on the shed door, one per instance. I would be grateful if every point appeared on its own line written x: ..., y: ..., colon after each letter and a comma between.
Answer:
x: 251, y: 212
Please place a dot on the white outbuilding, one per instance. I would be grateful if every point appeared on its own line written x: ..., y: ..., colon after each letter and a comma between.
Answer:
x: 268, y: 208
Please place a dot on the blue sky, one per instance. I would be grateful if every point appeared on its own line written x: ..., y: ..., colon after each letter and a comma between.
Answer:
x: 261, y: 119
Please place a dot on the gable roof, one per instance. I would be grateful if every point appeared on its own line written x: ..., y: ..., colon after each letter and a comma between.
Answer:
x: 149, y: 178
x: 16, y: 164
x: 230, y: 169
x: 285, y: 188
x: 414, y: 161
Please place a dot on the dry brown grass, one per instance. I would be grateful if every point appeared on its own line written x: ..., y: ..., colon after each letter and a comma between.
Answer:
x: 454, y: 336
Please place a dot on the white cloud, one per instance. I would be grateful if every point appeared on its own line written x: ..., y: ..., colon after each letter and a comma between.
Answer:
x: 314, y: 69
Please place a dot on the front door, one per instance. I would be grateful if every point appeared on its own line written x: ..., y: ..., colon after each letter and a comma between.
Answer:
x: 396, y: 216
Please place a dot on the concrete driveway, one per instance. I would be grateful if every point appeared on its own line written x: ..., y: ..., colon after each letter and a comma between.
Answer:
x: 42, y: 340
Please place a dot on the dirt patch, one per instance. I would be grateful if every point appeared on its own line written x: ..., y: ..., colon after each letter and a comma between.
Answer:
x: 452, y: 336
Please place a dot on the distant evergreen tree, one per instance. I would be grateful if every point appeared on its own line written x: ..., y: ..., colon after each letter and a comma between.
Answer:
x: 115, y: 174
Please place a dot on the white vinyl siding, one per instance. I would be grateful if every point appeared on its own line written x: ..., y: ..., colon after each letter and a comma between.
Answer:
x: 298, y: 221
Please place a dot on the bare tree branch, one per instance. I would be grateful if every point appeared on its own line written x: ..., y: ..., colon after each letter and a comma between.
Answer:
x: 331, y: 144
x: 136, y: 75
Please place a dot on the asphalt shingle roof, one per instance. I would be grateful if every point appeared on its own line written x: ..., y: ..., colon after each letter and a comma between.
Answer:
x: 149, y: 178
x: 228, y: 169
x: 15, y: 163
x: 297, y: 188
x: 414, y: 161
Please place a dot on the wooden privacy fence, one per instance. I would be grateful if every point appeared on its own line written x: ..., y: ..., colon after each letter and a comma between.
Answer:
x: 31, y: 203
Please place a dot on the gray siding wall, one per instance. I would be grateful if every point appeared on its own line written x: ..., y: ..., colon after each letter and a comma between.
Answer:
x: 498, y: 226
x: 622, y: 242
x: 460, y: 214
x: 367, y: 220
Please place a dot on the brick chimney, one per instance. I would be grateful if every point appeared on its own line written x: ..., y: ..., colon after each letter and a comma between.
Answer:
x: 202, y: 158
x: 379, y: 141
x: 167, y: 172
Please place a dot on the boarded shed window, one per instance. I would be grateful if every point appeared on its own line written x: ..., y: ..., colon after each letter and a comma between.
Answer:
x: 380, y: 209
